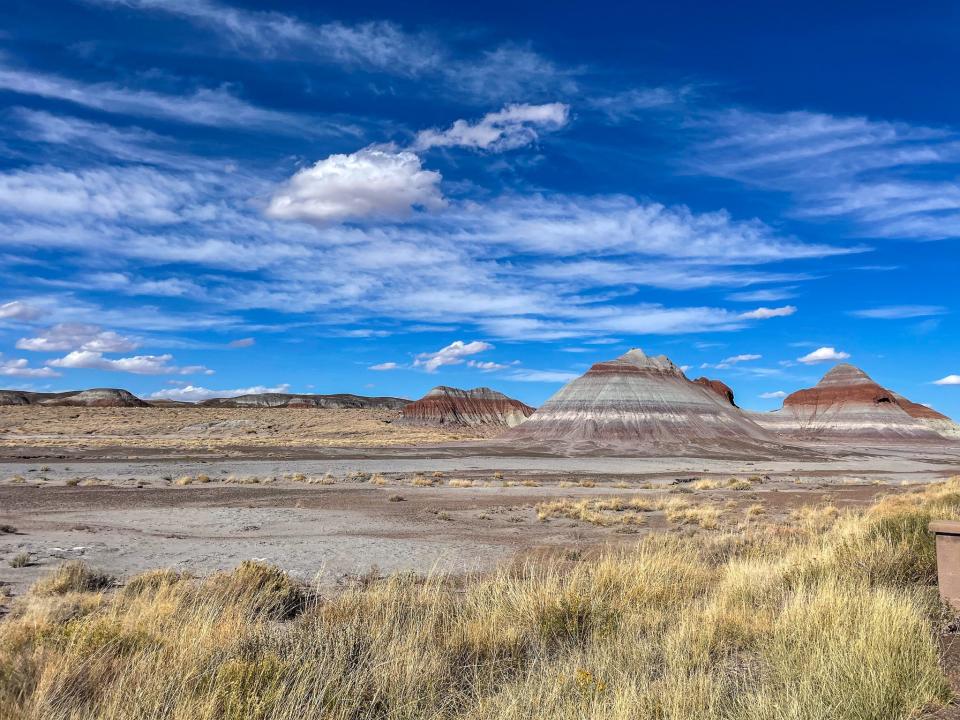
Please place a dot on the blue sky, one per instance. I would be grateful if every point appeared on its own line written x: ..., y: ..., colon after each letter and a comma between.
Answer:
x: 200, y: 198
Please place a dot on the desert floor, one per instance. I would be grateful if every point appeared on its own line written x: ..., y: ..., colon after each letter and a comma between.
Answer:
x: 338, y: 494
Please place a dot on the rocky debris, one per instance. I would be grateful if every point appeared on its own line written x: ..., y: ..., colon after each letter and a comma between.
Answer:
x: 641, y: 404
x: 95, y: 397
x: 452, y: 406
x: 847, y: 403
x: 719, y: 387
x: 14, y: 397
x: 290, y: 400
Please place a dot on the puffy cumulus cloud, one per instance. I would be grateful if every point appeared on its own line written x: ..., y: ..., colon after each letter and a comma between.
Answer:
x: 948, y: 380
x: 765, y: 313
x: 824, y: 354
x: 78, y: 336
x: 138, y: 364
x: 195, y: 393
x: 384, y: 366
x: 19, y: 367
x: 512, y: 127
x: 370, y: 183
x: 900, y: 312
x: 776, y: 394
x: 452, y: 354
x: 20, y: 311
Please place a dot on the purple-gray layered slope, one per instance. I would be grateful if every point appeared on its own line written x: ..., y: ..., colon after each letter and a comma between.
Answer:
x: 640, y: 404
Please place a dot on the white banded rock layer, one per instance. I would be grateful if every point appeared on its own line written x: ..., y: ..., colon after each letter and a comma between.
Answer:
x: 639, y: 403
x: 847, y: 403
x: 473, y: 408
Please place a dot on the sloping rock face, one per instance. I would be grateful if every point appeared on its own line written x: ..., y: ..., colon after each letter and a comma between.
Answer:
x: 288, y: 400
x: 641, y: 404
x: 451, y: 406
x: 719, y: 387
x: 847, y: 403
x: 96, y: 397
x: 14, y: 397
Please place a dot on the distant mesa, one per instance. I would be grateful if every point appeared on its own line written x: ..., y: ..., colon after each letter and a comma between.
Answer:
x: 847, y: 403
x: 642, y: 404
x: 719, y: 387
x: 289, y: 400
x: 95, y: 397
x: 470, y: 408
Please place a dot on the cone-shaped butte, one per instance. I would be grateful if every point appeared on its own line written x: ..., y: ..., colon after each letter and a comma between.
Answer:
x: 640, y: 403
x: 478, y: 407
x: 847, y: 403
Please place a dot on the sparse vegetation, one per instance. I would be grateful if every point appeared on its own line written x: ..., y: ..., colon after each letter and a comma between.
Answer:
x: 773, y: 622
x: 460, y: 483
x: 19, y: 560
x: 420, y: 480
x: 72, y: 577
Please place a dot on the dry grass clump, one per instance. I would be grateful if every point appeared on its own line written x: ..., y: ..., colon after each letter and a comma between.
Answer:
x: 420, y: 480
x: 21, y: 559
x: 184, y: 480
x: 739, y: 484
x: 706, y: 484
x: 599, y: 511
x: 761, y: 625
x: 73, y: 577
x: 460, y: 483
x: 378, y: 479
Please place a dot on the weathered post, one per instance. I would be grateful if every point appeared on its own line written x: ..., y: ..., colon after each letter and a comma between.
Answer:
x: 947, y: 534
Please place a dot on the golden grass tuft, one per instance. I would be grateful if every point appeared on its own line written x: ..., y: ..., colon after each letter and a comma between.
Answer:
x: 460, y: 483
x: 798, y: 623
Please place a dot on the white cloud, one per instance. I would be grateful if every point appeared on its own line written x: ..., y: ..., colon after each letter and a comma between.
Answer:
x: 764, y: 313
x: 19, y: 367
x: 216, y: 107
x: 764, y: 295
x: 823, y: 354
x: 948, y: 380
x: 773, y: 395
x: 488, y: 366
x: 384, y: 366
x: 17, y: 310
x: 900, y: 312
x: 242, y: 343
x: 194, y: 393
x: 512, y: 127
x: 452, y: 354
x: 741, y: 358
x: 880, y: 176
x: 78, y: 336
x: 370, y: 183
x: 631, y: 104
x: 544, y: 376
x: 138, y: 364
x: 373, y: 45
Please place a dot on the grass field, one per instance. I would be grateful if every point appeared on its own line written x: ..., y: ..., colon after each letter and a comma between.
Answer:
x: 832, y: 615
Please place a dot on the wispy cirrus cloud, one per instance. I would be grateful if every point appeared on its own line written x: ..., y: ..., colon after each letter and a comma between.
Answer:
x: 900, y: 312
x: 892, y: 180
x: 215, y: 107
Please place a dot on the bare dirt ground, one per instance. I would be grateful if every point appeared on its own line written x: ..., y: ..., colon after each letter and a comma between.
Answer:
x: 334, y: 532
x: 198, y: 430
